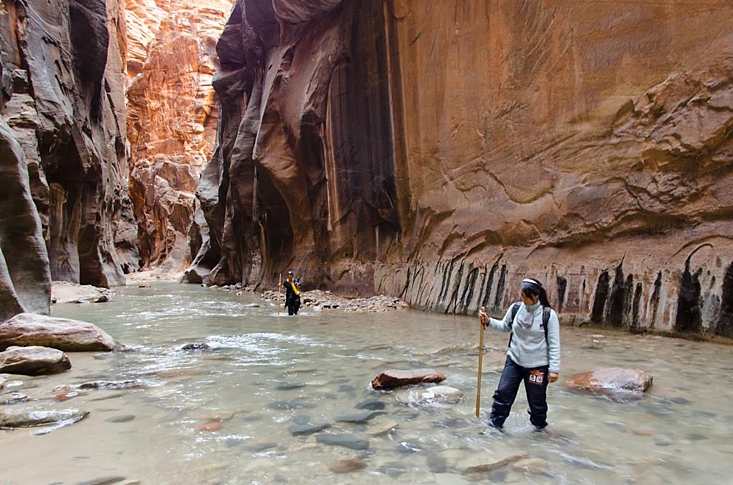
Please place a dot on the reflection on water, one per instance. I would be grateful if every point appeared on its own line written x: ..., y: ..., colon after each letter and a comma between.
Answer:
x: 241, y: 413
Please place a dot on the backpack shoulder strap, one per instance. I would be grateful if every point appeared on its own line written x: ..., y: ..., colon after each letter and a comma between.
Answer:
x: 515, y: 309
x: 546, y: 319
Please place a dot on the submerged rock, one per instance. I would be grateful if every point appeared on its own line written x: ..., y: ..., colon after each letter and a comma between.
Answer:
x: 611, y: 381
x: 346, y: 441
x: 26, y: 329
x: 194, y: 346
x: 436, y: 394
x: 362, y: 417
x: 347, y: 465
x: 289, y: 405
x: 307, y: 429
x: 484, y: 464
x: 33, y: 361
x: 380, y: 426
x: 14, y: 398
x: 374, y: 405
x: 24, y: 418
x: 126, y: 384
x: 108, y: 481
x: 392, y: 379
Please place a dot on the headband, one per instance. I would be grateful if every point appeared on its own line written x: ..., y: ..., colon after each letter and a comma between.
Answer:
x: 532, y: 285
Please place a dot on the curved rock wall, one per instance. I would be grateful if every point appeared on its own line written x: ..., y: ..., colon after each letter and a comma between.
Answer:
x: 440, y: 151
x: 172, y: 118
x: 64, y: 137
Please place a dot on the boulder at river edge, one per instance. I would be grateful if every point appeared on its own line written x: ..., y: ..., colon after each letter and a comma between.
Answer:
x: 28, y: 329
x: 28, y: 418
x: 392, y: 379
x: 611, y: 381
x: 33, y: 361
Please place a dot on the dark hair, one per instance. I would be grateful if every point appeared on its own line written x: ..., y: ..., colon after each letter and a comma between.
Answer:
x: 532, y: 287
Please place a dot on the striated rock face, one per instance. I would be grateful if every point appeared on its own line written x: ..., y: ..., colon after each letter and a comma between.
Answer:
x: 441, y: 152
x: 172, y: 117
x: 66, y: 214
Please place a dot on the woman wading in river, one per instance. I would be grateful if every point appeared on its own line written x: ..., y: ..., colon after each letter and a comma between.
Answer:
x: 533, y: 355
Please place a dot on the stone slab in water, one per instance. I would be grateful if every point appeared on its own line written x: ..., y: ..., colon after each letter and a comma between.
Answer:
x: 27, y: 418
x: 33, y: 361
x: 346, y: 441
x: 307, y: 429
x: 290, y: 405
x: 104, y: 481
x: 359, y: 417
x: 611, y: 380
x: 374, y: 405
x: 392, y: 379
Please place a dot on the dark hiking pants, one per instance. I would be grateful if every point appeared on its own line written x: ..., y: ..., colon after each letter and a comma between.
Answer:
x: 535, y: 384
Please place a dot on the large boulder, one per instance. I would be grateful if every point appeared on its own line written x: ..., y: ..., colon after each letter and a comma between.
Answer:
x: 611, y: 381
x: 33, y: 361
x: 64, y: 334
x: 392, y: 379
x: 65, y: 292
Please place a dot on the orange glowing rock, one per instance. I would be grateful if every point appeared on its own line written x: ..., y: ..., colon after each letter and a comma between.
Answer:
x: 212, y: 426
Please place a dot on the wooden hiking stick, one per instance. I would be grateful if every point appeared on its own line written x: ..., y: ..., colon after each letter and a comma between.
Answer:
x: 480, y: 364
x: 279, y: 284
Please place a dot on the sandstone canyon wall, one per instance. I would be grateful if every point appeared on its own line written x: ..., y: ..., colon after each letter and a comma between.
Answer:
x: 440, y: 150
x: 172, y: 119
x: 65, y: 211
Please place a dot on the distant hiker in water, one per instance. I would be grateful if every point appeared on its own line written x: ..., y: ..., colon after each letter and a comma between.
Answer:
x: 292, y: 294
x: 533, y: 355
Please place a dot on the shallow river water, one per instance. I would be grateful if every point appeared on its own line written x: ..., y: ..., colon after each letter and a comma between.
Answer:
x: 225, y: 416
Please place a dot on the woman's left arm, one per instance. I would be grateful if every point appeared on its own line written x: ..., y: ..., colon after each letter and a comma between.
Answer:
x: 553, y: 344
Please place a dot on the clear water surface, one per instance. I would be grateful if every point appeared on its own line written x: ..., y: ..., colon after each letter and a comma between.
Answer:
x: 224, y: 416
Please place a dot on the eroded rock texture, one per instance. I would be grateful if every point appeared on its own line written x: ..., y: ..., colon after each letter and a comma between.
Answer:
x: 440, y: 151
x: 172, y: 117
x: 66, y: 214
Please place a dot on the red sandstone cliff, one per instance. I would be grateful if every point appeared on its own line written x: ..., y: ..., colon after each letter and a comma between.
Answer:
x: 172, y: 117
x: 441, y: 150
x: 65, y: 210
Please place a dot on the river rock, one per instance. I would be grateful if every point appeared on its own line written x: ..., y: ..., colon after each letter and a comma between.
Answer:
x: 196, y: 346
x: 537, y: 466
x: 2, y: 382
x: 124, y: 418
x: 372, y: 404
x: 611, y: 381
x: 104, y: 481
x: 307, y: 429
x: 392, y: 379
x: 362, y: 417
x: 33, y: 361
x: 64, y: 292
x: 380, y: 425
x: 346, y: 441
x: 348, y: 465
x: 25, y: 418
x: 26, y: 329
x: 436, y: 394
x: 479, y: 463
x: 126, y: 384
x: 14, y: 398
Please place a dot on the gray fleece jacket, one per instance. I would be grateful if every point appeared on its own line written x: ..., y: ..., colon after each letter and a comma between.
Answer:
x: 529, y: 347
